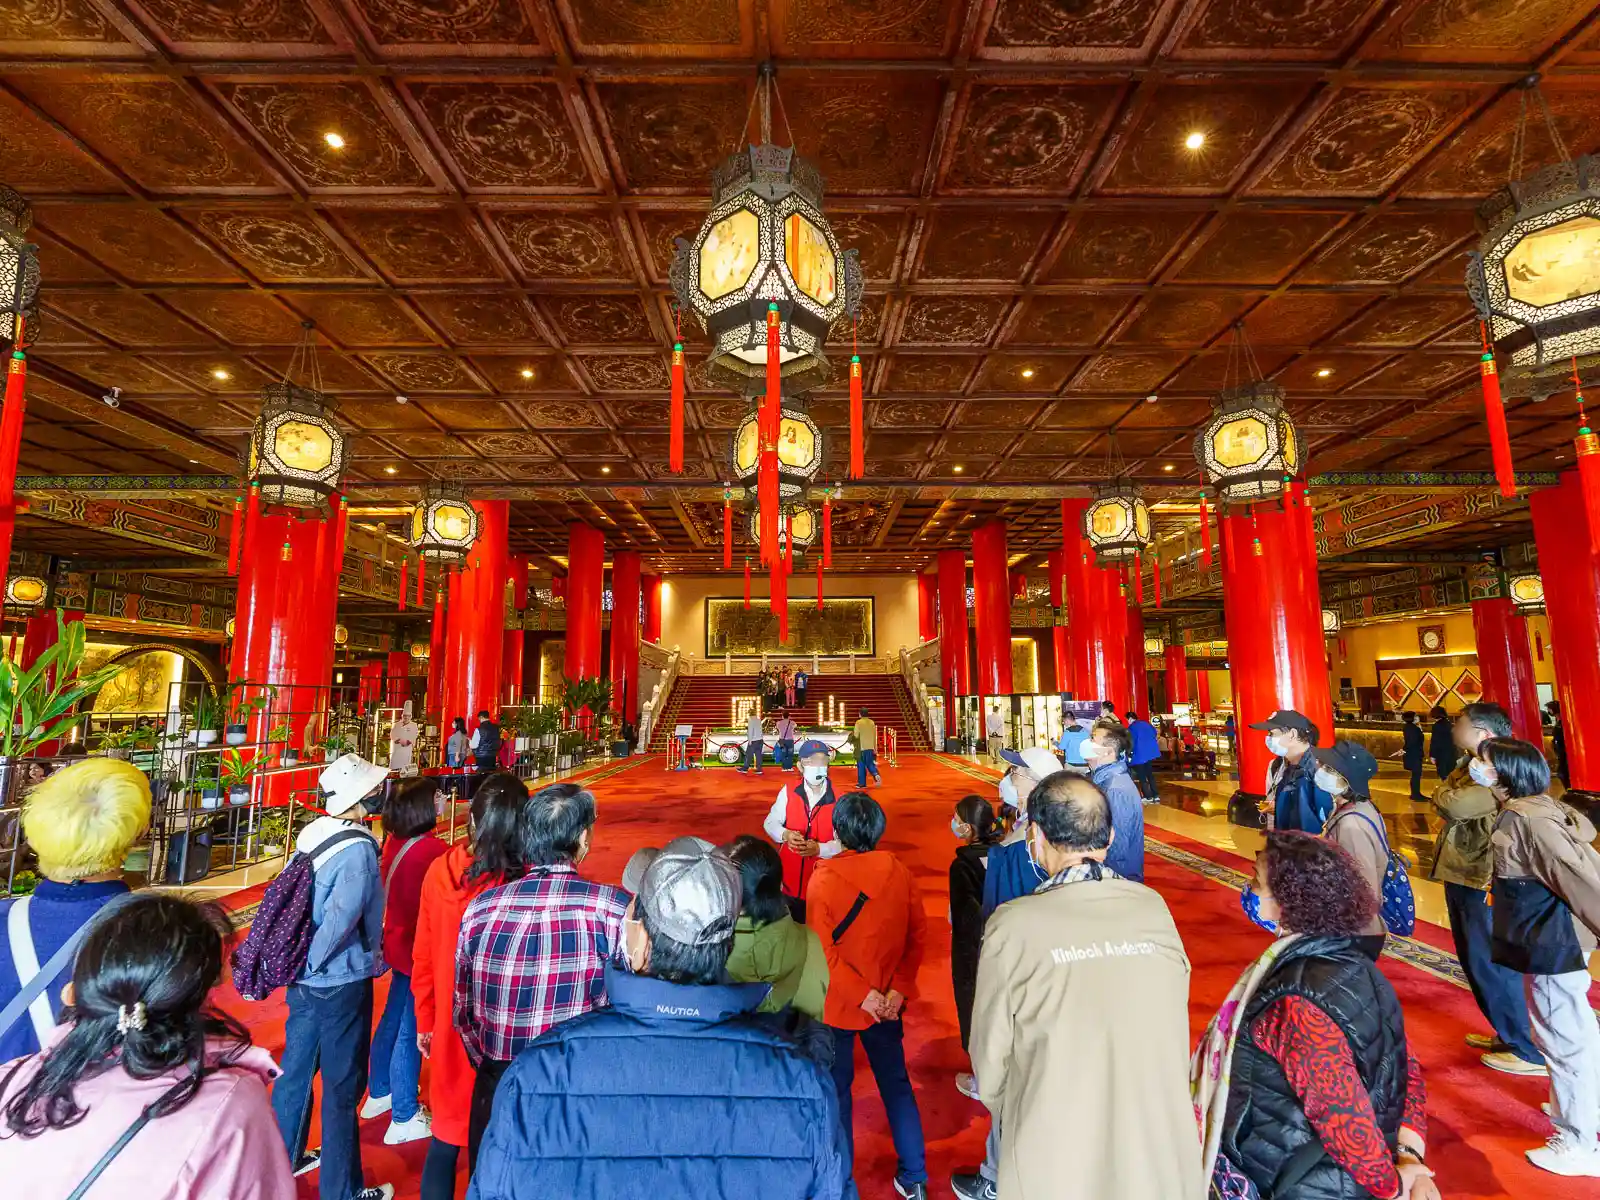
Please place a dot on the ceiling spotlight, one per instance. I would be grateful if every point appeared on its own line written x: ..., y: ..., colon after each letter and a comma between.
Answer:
x: 390, y: 470
x: 1151, y: 398
x: 1027, y: 372
x: 605, y: 470
x: 335, y: 141
x: 402, y: 399
x: 527, y: 372
x: 1194, y: 141
x: 1167, y: 467
x: 219, y: 373
x: 956, y: 469
x: 1324, y: 372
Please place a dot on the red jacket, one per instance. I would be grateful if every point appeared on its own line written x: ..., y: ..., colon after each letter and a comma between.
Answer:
x: 815, y: 823
x: 402, y: 894
x: 882, y: 948
x: 445, y: 894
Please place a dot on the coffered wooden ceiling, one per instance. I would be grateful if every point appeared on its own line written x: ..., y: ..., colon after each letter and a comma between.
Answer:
x: 1051, y: 270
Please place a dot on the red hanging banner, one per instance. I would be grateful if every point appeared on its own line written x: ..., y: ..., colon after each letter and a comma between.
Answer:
x: 747, y: 581
x: 1586, y: 446
x: 1494, y: 411
x: 675, y: 444
x: 1155, y: 565
x: 858, y: 453
x: 422, y: 567
x: 819, y: 586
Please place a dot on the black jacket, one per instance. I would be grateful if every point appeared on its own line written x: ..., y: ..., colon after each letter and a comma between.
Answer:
x: 1411, y: 746
x: 967, y: 872
x: 1442, y: 747
x: 1265, y: 1123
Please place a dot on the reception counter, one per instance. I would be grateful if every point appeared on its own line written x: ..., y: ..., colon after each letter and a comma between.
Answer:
x: 1383, y: 738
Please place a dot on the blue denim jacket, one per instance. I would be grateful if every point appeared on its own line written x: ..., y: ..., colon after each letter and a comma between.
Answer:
x: 347, y: 910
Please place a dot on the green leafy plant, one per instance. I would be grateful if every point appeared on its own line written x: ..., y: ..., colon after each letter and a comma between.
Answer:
x: 242, y: 707
x: 207, y: 710
x: 592, y: 693
x: 128, y: 737
x: 238, y: 767
x: 35, y: 704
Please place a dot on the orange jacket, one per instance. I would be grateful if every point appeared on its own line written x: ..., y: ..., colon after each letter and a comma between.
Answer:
x: 445, y: 894
x: 882, y: 949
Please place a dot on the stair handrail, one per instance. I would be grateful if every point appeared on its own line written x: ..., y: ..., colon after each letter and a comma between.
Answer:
x: 911, y: 659
x: 658, y: 697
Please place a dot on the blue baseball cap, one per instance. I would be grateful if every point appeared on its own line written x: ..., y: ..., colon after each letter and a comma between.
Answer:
x: 809, y: 747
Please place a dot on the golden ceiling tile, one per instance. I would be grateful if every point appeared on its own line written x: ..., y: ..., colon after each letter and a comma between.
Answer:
x: 412, y: 245
x: 590, y: 442
x: 1184, y: 318
x: 382, y: 416
x: 39, y: 158
x: 1389, y: 247
x: 868, y: 134
x: 1076, y: 320
x: 627, y: 372
x: 963, y: 244
x: 1326, y: 371
x: 980, y: 441
x: 1476, y: 30
x: 1119, y: 246
x: 1028, y: 469
x: 61, y: 21
x: 509, y: 445
x: 672, y: 134
x: 951, y: 320
x: 1478, y: 160
x: 428, y: 445
x: 1235, y: 120
x: 1124, y: 372
x: 259, y: 21
x: 907, y: 414
x: 1364, y: 140
x: 218, y: 373
x: 635, y: 27
x: 599, y: 320
x: 1300, y: 318
x: 863, y: 331
x: 59, y: 264
x: 875, y: 237
x: 106, y: 370
x: 1405, y: 321
x: 1247, y: 28
x: 1022, y: 373
x: 559, y: 414
x: 156, y: 131
x: 360, y: 318
x: 338, y: 373
x: 563, y: 244
x: 832, y: 27
x: 125, y: 318
x: 1208, y: 372
x: 294, y: 120
x: 140, y: 244
x: 423, y: 372
x: 404, y: 23
x: 941, y: 373
x: 532, y: 372
x: 1008, y: 414
x: 1424, y: 372
x: 480, y: 318
x: 465, y: 414
x: 1026, y: 138
x: 1256, y: 247
x: 276, y: 245
x: 511, y: 136
x: 662, y: 228
x: 1095, y: 30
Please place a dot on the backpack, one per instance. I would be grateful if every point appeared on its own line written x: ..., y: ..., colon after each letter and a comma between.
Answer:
x: 273, y: 953
x: 1397, y: 906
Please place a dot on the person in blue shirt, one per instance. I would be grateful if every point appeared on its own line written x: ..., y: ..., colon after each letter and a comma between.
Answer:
x: 1073, y: 734
x: 1106, y: 752
x: 80, y: 822
x: 1146, y: 748
x: 1293, y: 800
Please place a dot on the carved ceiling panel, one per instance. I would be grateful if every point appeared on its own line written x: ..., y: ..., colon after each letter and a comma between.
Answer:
x: 1256, y: 247
x: 1480, y: 159
x: 426, y: 23
x: 599, y: 320
x: 1028, y: 138
x: 649, y: 27
x: 239, y: 23
x: 1124, y: 372
x: 551, y: 244
x: 1318, y: 30
x: 1184, y: 318
x: 1025, y: 373
x: 1077, y: 320
x: 973, y: 245
x: 1234, y: 120
x: 907, y: 414
x: 950, y: 320
x: 867, y: 133
x: 276, y: 245
x: 481, y: 318
x: 671, y: 135
x: 423, y: 372
x: 1389, y: 247
x: 1089, y: 30
x: 1481, y: 30
x: 1119, y: 246
x: 127, y: 319
x: 412, y: 245
x: 340, y: 375
x: 239, y: 317
x: 140, y: 244
x: 63, y: 21
x: 513, y: 373
x: 1405, y: 321
x: 627, y: 372
x: 360, y: 318
x: 295, y: 119
x: 1300, y: 318
x: 908, y: 27
x: 940, y: 373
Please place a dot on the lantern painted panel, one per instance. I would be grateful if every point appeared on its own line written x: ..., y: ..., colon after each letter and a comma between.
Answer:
x: 1249, y: 446
x: 296, y: 451
x: 799, y: 452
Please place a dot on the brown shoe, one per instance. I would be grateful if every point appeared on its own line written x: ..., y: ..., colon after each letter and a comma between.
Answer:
x: 1484, y: 1041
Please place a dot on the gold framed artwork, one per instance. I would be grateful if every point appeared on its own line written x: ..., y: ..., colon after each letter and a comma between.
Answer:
x: 846, y: 625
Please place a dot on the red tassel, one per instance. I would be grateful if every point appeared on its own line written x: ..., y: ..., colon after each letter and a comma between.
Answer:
x: 1138, y: 578
x: 403, y: 582
x: 858, y: 454
x: 1068, y: 532
x: 252, y: 514
x: 1494, y: 411
x: 234, y: 530
x: 1155, y: 564
x: 1587, y: 448
x: 747, y: 581
x: 11, y: 419
x: 770, y: 420
x: 1205, y: 532
x: 727, y: 530
x: 422, y: 567
x: 675, y: 445
x: 819, y: 586
x: 827, y: 531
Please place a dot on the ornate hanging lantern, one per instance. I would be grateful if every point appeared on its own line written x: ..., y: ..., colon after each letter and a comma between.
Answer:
x: 1117, y: 522
x: 801, y: 524
x: 1332, y: 621
x: 1154, y: 646
x: 1249, y: 445
x: 420, y: 650
x: 227, y: 630
x: 1526, y: 591
x: 799, y: 452
x: 19, y: 262
x: 341, y: 635
x: 26, y: 590
x: 443, y: 524
x: 296, y: 452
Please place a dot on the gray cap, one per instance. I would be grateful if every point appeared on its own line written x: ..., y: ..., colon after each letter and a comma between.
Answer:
x: 689, y: 887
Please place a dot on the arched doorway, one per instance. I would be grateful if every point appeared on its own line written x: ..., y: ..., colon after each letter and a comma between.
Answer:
x: 208, y: 669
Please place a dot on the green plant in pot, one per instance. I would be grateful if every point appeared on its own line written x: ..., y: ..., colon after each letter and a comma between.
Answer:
x: 206, y: 713
x: 36, y: 704
x: 121, y: 743
x: 242, y: 705
x: 237, y: 770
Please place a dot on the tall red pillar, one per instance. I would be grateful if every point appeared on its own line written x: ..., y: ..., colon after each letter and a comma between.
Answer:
x: 586, y: 549
x: 991, y: 608
x: 927, y: 607
x: 284, y: 616
x: 1096, y: 618
x: 1138, y: 680
x: 371, y: 683
x: 651, y: 586
x: 42, y: 631
x: 1060, y: 645
x: 1273, y: 615
x: 1572, y: 600
x: 953, y: 632
x: 475, y: 624
x: 437, y: 661
x: 1505, y: 664
x: 1202, y: 690
x: 1177, y: 675
x: 625, y: 634
x: 512, y: 640
x: 397, y: 666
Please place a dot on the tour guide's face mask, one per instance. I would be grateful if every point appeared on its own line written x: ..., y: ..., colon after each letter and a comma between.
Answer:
x: 816, y: 773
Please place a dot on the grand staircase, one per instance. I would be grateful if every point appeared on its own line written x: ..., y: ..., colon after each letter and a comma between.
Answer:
x: 706, y: 702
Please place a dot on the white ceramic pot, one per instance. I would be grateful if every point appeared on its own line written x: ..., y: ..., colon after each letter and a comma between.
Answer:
x: 204, y: 737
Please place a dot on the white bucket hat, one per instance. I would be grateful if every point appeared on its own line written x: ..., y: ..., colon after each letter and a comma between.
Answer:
x: 347, y: 780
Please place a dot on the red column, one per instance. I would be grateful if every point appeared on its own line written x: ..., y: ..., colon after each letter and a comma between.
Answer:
x: 1572, y: 600
x: 371, y: 683
x: 927, y: 607
x: 1138, y: 681
x: 1060, y: 646
x: 1202, y: 690
x: 1096, y: 619
x: 512, y: 639
x: 398, y: 668
x: 652, y: 609
x: 1505, y: 664
x: 991, y: 608
x: 625, y: 634
x: 41, y: 632
x: 1274, y: 622
x: 953, y: 632
x: 437, y: 662
x: 283, y: 620
x: 476, y: 623
x: 1177, y: 676
x: 586, y: 549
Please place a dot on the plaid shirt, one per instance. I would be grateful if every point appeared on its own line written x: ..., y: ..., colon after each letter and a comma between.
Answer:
x: 532, y: 954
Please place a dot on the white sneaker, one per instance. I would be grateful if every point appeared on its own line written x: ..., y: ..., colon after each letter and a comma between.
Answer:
x: 1563, y: 1156
x: 376, y: 1106
x: 414, y: 1130
x: 967, y: 1085
x: 1508, y: 1063
x: 384, y: 1191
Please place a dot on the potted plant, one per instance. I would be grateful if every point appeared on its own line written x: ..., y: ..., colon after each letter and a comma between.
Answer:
x: 235, y: 777
x: 206, y: 713
x: 569, y: 744
x: 36, y: 704
x: 333, y: 745
x: 119, y: 743
x: 544, y: 722
x: 208, y: 782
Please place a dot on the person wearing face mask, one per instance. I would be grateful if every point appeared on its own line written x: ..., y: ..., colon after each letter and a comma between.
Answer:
x: 1546, y: 921
x: 533, y: 953
x: 1106, y: 752
x: 652, y: 1094
x: 1293, y: 800
x: 1344, y: 771
x: 1463, y: 860
x: 974, y: 825
x: 1011, y: 871
x: 800, y: 821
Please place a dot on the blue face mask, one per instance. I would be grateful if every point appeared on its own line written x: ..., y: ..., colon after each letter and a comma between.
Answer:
x: 1251, y: 903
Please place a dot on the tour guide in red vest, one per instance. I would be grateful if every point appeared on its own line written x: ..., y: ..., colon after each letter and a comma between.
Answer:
x: 801, y: 822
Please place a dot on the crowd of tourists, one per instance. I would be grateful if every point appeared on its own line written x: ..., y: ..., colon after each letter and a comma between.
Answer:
x: 692, y: 1032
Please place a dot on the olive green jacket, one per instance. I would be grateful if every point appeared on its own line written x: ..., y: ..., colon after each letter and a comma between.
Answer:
x: 1462, y: 854
x: 786, y: 955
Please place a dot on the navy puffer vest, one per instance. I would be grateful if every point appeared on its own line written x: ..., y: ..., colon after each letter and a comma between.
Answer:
x: 1265, y: 1122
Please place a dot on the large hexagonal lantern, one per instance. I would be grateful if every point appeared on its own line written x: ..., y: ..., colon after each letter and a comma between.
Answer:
x: 443, y: 524
x: 1527, y: 591
x: 1249, y: 444
x: 19, y: 264
x: 1117, y: 523
x: 801, y: 525
x: 296, y: 451
x: 799, y: 452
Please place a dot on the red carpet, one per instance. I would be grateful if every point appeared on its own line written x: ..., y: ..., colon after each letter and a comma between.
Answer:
x: 1480, y: 1122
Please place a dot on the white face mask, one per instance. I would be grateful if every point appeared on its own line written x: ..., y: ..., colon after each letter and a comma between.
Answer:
x: 1096, y: 753
x: 1482, y: 773
x: 1331, y: 783
x: 815, y: 775
x: 1277, y: 744
x: 957, y: 828
x: 1008, y: 791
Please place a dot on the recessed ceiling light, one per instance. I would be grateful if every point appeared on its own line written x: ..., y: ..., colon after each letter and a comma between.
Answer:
x: 605, y: 470
x: 1167, y: 467
x: 1027, y: 372
x: 957, y: 470
x: 1194, y: 141
x: 527, y: 372
x: 219, y: 373
x: 390, y: 470
x: 402, y: 399
x: 335, y: 141
x: 1324, y: 372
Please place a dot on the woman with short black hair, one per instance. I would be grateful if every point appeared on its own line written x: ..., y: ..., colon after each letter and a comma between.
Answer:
x: 975, y: 824
x: 768, y: 945
x: 140, y: 1053
x: 409, y: 848
x: 1303, y: 1081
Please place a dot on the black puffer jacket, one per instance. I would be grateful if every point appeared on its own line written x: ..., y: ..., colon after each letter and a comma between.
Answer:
x: 1265, y: 1123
